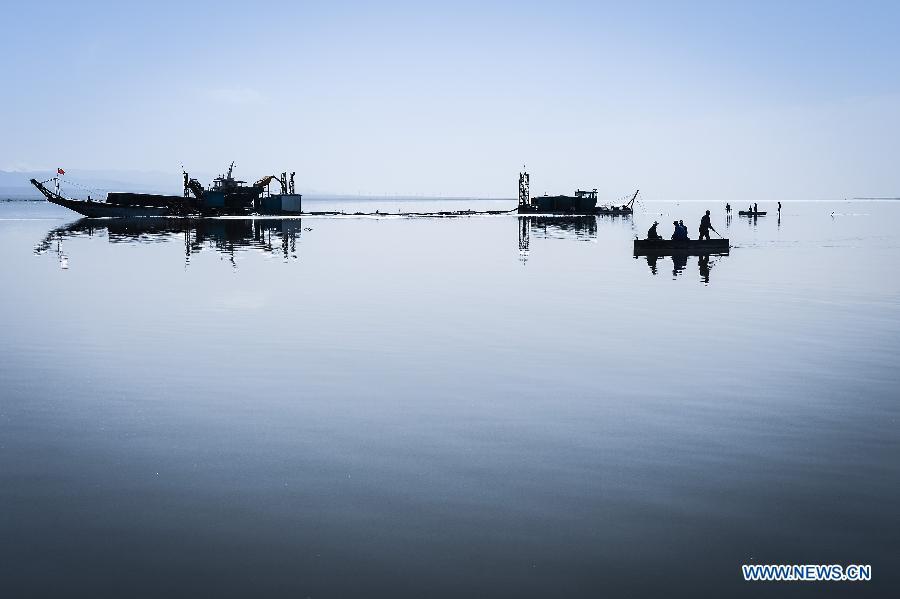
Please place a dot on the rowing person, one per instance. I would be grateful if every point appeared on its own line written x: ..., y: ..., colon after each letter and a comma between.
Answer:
x: 651, y: 232
x: 705, y: 226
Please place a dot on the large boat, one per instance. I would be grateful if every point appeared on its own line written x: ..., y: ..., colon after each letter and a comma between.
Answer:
x: 667, y: 247
x: 583, y: 202
x: 226, y: 196
x: 753, y: 213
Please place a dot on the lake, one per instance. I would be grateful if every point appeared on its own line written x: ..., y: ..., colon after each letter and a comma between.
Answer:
x: 479, y: 406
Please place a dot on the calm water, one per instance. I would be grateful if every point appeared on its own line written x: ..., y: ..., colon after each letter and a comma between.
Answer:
x: 488, y: 406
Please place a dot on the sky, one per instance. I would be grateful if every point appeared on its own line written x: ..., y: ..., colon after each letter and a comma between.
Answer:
x: 684, y: 100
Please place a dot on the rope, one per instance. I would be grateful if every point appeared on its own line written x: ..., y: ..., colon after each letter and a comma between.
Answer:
x: 84, y: 187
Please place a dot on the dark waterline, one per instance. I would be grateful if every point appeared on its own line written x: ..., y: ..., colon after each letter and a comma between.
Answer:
x: 491, y: 406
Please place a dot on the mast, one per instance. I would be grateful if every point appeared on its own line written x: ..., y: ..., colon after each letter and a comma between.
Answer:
x: 524, y: 190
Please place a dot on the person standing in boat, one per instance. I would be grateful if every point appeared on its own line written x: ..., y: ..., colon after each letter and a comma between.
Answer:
x: 705, y: 226
x: 727, y: 207
x: 684, y: 230
x: 755, y: 209
x: 651, y: 232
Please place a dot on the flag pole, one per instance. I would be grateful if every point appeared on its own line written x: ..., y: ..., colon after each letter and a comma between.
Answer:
x: 59, y: 172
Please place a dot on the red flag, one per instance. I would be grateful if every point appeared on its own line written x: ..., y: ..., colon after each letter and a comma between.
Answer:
x: 59, y: 171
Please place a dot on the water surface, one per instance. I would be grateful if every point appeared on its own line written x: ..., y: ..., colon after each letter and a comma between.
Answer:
x: 484, y: 406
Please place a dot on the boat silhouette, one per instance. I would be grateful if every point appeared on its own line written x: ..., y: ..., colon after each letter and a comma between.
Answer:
x: 223, y: 235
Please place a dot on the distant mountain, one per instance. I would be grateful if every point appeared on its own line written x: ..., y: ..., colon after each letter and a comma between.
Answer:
x: 16, y: 185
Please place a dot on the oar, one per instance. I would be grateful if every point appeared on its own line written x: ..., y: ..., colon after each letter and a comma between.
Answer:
x: 717, y: 233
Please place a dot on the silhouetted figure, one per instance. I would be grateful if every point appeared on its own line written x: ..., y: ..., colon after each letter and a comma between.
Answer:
x: 705, y: 226
x: 680, y: 233
x: 677, y: 233
x: 679, y: 263
x: 684, y: 229
x: 727, y: 207
x: 703, y: 264
x: 755, y: 209
x: 779, y: 208
x: 651, y: 232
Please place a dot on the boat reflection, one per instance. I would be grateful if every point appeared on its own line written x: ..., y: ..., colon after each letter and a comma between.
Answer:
x: 223, y: 235
x: 580, y: 228
x: 680, y: 263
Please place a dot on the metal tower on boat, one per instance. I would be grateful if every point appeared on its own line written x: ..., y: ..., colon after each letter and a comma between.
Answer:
x: 524, y: 189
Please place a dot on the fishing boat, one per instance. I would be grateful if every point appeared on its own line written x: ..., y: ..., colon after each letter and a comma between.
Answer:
x: 226, y: 196
x: 155, y: 206
x: 666, y: 247
x: 749, y: 213
x: 584, y: 202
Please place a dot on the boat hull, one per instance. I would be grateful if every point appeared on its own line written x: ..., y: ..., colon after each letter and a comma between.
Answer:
x: 665, y: 247
x: 748, y: 213
x: 104, y: 210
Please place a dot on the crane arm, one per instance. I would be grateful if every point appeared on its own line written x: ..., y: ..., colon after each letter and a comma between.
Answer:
x: 264, y: 182
x: 197, y: 188
x: 633, y: 198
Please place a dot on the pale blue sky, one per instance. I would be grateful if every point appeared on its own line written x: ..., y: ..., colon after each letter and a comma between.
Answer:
x: 706, y: 100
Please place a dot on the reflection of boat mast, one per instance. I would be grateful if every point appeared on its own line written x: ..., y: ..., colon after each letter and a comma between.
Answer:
x: 575, y: 228
x: 524, y: 237
x: 47, y: 243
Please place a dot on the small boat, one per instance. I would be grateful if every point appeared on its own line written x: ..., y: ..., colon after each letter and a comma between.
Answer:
x: 749, y: 213
x: 665, y: 247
